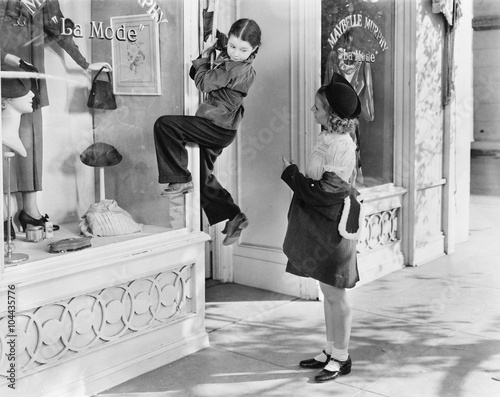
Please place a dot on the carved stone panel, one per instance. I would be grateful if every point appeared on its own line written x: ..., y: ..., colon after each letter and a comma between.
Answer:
x: 63, y: 329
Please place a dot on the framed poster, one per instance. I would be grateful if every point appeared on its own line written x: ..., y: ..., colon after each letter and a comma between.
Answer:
x: 136, y: 57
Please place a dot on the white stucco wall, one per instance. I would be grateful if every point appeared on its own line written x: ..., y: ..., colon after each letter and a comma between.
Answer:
x: 464, y: 122
x: 486, y: 56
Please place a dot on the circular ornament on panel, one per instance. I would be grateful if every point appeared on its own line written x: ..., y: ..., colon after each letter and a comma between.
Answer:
x: 52, y: 331
x: 168, y: 295
x: 142, y: 303
x: 84, y: 320
x: 114, y: 311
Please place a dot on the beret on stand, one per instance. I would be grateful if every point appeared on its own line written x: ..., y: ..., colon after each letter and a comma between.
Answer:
x: 100, y: 154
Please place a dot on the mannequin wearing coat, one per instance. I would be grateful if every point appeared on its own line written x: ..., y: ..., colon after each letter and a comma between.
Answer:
x: 23, y: 36
x: 17, y: 99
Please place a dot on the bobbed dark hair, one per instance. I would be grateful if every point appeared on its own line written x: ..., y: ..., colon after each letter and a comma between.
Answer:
x: 247, y: 30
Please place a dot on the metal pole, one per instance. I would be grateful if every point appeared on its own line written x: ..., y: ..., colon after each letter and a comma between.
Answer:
x: 11, y: 258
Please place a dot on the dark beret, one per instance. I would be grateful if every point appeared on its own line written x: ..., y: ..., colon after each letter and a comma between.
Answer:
x: 342, y: 97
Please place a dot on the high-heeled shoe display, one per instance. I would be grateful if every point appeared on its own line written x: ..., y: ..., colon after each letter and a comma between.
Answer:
x: 25, y: 219
x: 5, y: 230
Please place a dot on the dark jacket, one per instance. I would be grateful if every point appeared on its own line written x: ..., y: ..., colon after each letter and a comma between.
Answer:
x: 227, y: 84
x: 312, y: 243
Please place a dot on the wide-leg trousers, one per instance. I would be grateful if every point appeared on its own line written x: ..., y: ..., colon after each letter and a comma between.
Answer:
x: 171, y: 134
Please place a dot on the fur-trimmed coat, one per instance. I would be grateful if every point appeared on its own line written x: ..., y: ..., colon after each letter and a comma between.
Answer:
x: 313, y: 244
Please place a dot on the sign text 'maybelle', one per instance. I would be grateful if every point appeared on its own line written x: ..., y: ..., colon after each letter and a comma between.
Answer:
x: 357, y: 20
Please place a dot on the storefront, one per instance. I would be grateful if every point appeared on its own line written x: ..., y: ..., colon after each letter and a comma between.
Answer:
x: 92, y: 318
x: 80, y: 321
x: 414, y: 139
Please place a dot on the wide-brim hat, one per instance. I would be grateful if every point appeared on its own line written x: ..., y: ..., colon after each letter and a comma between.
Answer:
x: 342, y: 97
x: 14, y: 87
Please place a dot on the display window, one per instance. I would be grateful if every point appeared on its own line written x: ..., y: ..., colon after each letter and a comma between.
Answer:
x: 82, y: 86
x: 358, y: 42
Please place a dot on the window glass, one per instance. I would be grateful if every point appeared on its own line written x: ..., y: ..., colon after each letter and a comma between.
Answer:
x: 76, y: 160
x: 357, y: 42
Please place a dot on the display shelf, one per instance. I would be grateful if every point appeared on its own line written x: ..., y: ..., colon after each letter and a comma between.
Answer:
x: 40, y: 250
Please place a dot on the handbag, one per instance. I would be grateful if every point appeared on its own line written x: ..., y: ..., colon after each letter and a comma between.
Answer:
x: 101, y: 94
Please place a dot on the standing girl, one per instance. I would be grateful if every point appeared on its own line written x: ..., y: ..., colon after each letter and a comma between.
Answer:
x: 323, y: 221
x: 213, y: 127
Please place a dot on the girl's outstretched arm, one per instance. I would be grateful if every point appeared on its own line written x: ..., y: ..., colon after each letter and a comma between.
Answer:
x: 310, y: 190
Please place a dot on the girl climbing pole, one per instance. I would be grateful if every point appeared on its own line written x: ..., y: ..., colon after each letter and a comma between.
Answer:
x: 214, y: 125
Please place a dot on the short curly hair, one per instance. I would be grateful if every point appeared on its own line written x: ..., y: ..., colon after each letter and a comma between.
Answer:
x: 336, y: 124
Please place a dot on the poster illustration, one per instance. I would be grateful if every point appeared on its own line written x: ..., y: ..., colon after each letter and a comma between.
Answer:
x: 136, y: 61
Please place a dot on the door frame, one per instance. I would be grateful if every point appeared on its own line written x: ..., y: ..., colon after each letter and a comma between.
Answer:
x: 305, y: 34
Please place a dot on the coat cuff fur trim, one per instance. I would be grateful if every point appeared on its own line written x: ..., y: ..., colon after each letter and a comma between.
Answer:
x: 352, y: 219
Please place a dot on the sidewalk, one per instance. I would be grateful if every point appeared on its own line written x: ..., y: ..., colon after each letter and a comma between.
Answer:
x: 428, y: 331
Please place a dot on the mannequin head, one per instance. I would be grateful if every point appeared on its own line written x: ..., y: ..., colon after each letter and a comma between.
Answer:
x: 23, y: 104
x: 16, y: 92
x: 17, y: 99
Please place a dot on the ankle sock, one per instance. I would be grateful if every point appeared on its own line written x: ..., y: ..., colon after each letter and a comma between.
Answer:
x: 328, y: 350
x: 340, y: 354
x: 337, y: 354
x: 322, y: 358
